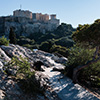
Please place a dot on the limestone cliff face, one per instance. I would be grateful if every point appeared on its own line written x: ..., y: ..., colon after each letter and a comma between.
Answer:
x: 24, y: 26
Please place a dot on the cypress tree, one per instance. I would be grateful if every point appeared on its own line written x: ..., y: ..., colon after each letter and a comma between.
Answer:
x: 12, y: 36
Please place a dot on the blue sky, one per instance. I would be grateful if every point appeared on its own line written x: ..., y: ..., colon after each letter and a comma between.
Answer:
x: 68, y: 11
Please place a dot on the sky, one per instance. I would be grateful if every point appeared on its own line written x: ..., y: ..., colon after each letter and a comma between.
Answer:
x: 72, y: 12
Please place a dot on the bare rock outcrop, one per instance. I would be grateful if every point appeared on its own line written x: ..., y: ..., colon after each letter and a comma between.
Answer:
x: 8, y: 85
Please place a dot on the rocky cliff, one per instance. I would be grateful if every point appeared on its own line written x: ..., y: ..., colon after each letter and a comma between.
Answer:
x: 8, y: 86
x: 24, y: 26
x: 47, y: 75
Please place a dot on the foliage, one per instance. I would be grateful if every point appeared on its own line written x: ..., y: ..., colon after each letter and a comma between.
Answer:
x: 35, y: 36
x: 23, y: 40
x: 61, y: 36
x: 46, y: 45
x: 4, y: 41
x: 26, y: 77
x: 12, y: 36
x: 59, y: 50
x: 23, y: 66
x: 64, y: 41
x: 87, y: 37
x: 78, y: 57
x: 88, y: 33
x: 64, y: 30
x: 46, y: 37
x: 61, y: 31
x: 24, y: 74
x: 91, y: 75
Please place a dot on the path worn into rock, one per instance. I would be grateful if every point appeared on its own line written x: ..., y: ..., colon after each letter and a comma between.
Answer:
x: 60, y: 85
x: 65, y: 88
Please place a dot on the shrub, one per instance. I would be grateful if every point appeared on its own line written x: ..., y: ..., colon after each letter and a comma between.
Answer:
x: 59, y: 49
x: 64, y: 41
x: 77, y: 56
x: 23, y: 66
x: 91, y: 74
x: 23, y: 40
x: 4, y: 41
x: 25, y: 76
x: 45, y: 46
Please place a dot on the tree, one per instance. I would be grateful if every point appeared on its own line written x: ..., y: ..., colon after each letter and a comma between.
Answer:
x: 57, y: 49
x: 64, y: 30
x: 77, y: 57
x: 88, y: 35
x: 46, y: 45
x: 12, y: 36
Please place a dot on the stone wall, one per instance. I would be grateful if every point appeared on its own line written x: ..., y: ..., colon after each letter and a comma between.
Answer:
x: 23, y: 13
x: 26, y: 22
x: 40, y: 17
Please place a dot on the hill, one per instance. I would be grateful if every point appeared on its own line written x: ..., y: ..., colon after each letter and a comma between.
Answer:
x: 37, y: 77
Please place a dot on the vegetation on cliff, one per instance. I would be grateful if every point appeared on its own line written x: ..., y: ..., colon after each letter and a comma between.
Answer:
x: 84, y: 59
x: 4, y: 41
x: 24, y: 75
x: 56, y: 41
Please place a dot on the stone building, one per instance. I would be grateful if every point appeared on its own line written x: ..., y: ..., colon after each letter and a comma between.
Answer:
x: 53, y: 16
x: 40, y: 17
x: 53, y: 23
x: 26, y: 22
x: 22, y: 13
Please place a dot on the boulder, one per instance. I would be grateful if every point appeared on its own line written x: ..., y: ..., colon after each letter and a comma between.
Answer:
x: 12, y: 51
x: 62, y: 60
x: 3, y: 56
x: 2, y: 95
x: 55, y: 58
x: 42, y: 80
x: 9, y: 86
x: 59, y: 68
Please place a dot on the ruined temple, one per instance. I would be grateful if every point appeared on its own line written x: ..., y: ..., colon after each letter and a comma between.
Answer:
x: 25, y: 22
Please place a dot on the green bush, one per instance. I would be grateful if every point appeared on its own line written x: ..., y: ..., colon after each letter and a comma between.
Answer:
x: 26, y: 77
x: 77, y: 57
x: 4, y: 41
x: 23, y: 40
x: 46, y: 45
x: 91, y: 74
x: 23, y: 67
x: 59, y: 49
x: 64, y: 41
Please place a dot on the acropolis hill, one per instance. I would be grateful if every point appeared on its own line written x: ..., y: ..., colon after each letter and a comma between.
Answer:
x: 25, y: 22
